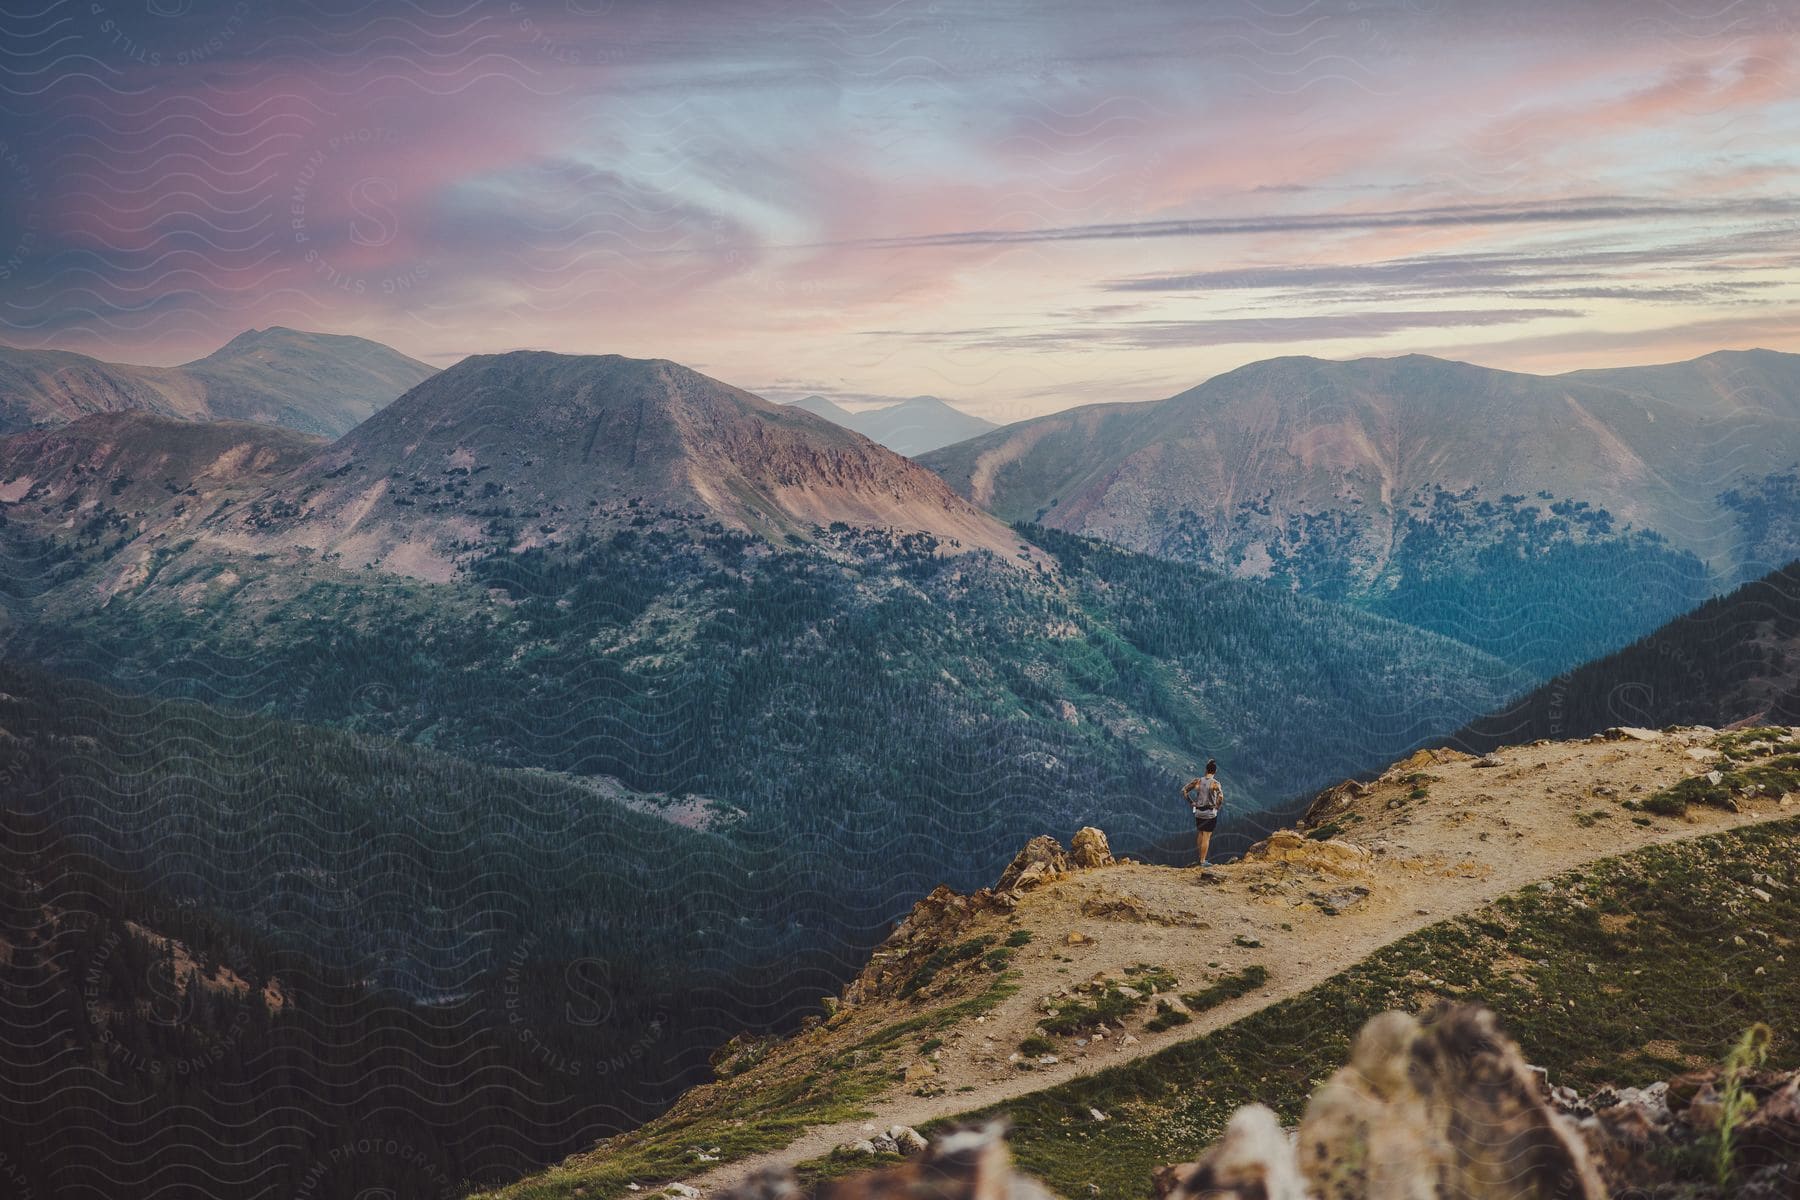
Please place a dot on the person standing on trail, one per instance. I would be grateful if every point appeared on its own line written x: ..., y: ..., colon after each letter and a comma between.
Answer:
x: 1206, y: 798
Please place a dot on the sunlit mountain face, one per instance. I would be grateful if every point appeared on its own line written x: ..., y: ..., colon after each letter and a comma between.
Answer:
x: 1018, y: 208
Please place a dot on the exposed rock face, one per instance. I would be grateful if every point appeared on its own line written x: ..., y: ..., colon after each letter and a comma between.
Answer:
x: 1040, y: 861
x: 939, y: 920
x: 968, y: 1164
x: 935, y: 921
x: 1224, y: 472
x: 593, y: 440
x: 1088, y: 848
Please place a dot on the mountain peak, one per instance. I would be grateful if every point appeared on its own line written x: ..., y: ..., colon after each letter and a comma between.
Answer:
x: 532, y: 446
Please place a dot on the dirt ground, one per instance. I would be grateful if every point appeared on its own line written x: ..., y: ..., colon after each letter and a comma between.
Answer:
x: 1437, y: 836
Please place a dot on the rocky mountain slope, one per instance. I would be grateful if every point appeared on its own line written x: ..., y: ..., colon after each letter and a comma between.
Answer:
x: 1734, y: 659
x: 1445, y: 494
x: 1069, y: 997
x: 910, y: 427
x: 563, y: 443
x: 317, y: 383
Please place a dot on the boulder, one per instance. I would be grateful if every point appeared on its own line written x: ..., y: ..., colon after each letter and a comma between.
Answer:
x: 1041, y: 861
x: 915, y: 1072
x: 1253, y: 1160
x: 1088, y: 848
x: 1444, y: 1108
x: 910, y: 1140
x: 1631, y: 733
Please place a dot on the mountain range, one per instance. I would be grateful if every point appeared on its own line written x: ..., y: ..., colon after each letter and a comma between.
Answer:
x: 909, y: 427
x: 654, y: 590
x: 713, y: 689
x: 1544, y: 519
x: 318, y: 383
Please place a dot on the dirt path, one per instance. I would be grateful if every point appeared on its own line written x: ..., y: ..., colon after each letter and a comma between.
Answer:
x: 1305, y: 912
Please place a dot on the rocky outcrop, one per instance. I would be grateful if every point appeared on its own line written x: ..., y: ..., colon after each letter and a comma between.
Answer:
x: 1089, y: 849
x: 1639, y: 1136
x: 936, y: 921
x: 942, y: 918
x: 1041, y: 861
x: 1330, y: 855
x: 1443, y: 1108
x: 1338, y: 798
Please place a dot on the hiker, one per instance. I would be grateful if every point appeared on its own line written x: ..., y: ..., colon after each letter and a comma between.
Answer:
x: 1206, y: 798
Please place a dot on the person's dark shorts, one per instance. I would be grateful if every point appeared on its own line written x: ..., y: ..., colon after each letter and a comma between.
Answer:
x: 1205, y: 824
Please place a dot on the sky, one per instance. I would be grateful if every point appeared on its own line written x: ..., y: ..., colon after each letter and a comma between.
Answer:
x: 1018, y: 206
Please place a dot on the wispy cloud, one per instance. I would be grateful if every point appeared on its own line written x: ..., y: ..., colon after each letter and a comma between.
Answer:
x: 1535, y: 212
x: 1080, y: 197
x: 1231, y: 331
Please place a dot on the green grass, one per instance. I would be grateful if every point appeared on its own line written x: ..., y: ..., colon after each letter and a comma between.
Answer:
x: 1167, y: 1017
x: 1753, y: 743
x: 947, y: 956
x: 1775, y: 777
x: 749, y: 1115
x: 1228, y: 987
x: 1669, y: 989
x: 1109, y: 1002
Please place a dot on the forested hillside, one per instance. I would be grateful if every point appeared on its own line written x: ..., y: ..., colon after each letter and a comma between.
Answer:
x: 371, y: 924
x: 1733, y: 659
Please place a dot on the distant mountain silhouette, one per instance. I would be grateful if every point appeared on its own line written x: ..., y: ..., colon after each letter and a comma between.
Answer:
x: 320, y: 383
x: 910, y: 427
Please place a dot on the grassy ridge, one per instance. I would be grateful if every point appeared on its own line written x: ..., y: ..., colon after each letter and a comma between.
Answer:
x: 1629, y: 970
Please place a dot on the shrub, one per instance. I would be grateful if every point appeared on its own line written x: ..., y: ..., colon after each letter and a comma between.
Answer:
x: 1167, y: 1017
x: 1227, y: 987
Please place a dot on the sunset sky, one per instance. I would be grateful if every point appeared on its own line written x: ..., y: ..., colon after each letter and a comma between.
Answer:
x: 1016, y: 206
